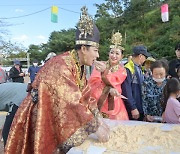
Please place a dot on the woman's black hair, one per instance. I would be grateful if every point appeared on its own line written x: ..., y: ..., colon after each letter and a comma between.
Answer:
x: 159, y: 64
x: 172, y: 86
x: 177, y: 47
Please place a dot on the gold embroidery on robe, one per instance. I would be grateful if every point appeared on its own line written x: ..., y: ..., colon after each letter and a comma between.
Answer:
x: 62, y: 109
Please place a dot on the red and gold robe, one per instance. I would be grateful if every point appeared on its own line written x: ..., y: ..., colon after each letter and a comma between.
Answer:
x: 62, y: 108
x: 98, y: 86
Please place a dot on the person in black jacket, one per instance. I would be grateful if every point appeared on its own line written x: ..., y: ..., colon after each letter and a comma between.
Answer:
x: 174, y: 62
x: 16, y: 73
x: 131, y: 87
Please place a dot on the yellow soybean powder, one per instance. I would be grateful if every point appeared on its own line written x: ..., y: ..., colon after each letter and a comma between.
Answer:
x: 139, y: 139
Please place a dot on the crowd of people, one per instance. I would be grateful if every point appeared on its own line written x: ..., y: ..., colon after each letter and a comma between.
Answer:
x: 63, y: 107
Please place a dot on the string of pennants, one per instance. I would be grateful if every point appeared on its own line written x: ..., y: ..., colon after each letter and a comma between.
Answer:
x: 164, y: 13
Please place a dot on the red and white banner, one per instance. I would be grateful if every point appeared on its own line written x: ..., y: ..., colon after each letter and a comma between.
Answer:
x: 164, y: 13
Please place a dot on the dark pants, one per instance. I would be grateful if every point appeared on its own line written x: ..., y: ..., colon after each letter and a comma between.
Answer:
x: 8, y: 122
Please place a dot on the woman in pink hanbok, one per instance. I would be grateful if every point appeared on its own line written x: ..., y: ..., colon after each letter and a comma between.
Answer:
x: 106, y: 80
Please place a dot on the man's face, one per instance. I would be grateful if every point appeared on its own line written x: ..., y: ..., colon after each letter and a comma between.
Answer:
x: 17, y: 66
x: 178, y: 53
x: 142, y: 59
x: 90, y: 55
x: 35, y: 64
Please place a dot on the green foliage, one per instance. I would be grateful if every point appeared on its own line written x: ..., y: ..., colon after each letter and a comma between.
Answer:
x: 142, y: 24
x: 139, y: 22
x: 61, y: 41
x: 35, y: 53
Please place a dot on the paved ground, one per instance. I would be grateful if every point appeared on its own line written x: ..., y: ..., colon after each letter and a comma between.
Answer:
x: 2, y: 118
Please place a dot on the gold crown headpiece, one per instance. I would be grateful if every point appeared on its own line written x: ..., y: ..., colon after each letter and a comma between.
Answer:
x: 116, y: 41
x: 85, y: 24
x: 87, y: 33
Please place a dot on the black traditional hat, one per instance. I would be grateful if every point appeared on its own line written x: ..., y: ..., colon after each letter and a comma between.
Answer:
x: 87, y: 33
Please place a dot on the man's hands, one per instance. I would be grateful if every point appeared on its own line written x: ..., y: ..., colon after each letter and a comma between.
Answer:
x: 100, y: 66
x: 103, y: 131
x: 21, y: 74
x: 135, y: 114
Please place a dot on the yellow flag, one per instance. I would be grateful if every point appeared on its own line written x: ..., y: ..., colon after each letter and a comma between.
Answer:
x: 54, y: 14
x: 54, y: 9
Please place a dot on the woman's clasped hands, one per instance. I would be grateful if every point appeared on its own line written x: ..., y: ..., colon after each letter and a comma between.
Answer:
x: 114, y: 92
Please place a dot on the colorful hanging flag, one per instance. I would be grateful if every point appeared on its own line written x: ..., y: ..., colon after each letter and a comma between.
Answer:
x: 164, y: 13
x: 54, y: 14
